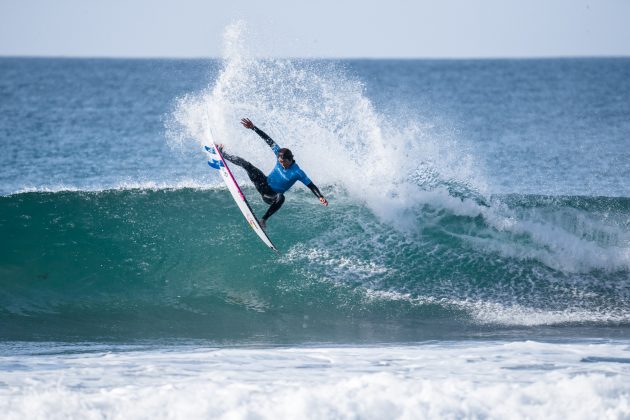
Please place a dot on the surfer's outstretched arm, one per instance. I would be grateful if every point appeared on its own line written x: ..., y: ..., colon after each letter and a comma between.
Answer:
x: 317, y: 193
x: 247, y: 123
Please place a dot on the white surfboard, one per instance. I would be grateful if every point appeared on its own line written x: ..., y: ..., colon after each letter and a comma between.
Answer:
x: 216, y: 161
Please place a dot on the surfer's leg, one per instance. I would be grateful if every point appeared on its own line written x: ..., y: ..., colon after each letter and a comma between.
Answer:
x: 276, y: 202
x: 255, y: 175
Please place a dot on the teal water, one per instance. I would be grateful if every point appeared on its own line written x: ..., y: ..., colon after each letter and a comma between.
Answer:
x: 469, y: 199
x: 164, y: 264
x: 474, y: 261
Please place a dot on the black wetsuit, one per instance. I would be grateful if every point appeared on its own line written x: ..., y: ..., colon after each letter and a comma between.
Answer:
x: 269, y: 196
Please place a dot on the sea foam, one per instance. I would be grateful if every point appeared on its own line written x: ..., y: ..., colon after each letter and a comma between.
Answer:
x: 445, y: 380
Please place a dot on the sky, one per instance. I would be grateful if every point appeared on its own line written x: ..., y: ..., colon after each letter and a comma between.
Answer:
x: 317, y: 28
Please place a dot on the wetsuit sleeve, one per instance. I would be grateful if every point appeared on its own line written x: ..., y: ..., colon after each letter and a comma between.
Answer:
x: 268, y: 140
x: 303, y: 178
x: 315, y: 190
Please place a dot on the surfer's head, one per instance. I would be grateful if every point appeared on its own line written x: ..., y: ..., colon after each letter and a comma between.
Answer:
x: 285, y: 157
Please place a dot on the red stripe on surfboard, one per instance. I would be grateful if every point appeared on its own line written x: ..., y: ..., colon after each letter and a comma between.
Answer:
x: 229, y: 172
x: 238, y: 188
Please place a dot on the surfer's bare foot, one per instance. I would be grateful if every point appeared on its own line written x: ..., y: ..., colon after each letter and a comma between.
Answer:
x: 262, y: 223
x: 220, y: 147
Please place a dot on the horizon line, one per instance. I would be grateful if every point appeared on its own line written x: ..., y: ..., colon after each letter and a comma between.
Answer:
x: 366, y: 58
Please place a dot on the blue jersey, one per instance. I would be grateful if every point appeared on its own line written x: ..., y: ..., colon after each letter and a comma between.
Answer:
x: 280, y: 179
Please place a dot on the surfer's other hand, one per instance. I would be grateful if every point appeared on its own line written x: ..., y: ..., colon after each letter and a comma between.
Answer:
x: 247, y: 123
x: 323, y: 201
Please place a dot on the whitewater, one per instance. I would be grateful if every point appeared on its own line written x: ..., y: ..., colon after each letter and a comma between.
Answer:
x: 474, y: 261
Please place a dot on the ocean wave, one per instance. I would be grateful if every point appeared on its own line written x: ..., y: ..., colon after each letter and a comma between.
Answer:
x: 184, y: 262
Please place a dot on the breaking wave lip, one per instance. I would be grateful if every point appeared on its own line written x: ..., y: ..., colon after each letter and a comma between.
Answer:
x: 124, y: 186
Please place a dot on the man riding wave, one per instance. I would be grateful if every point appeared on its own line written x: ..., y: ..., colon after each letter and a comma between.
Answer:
x: 285, y: 173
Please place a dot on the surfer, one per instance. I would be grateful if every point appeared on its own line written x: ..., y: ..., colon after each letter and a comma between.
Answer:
x: 273, y: 186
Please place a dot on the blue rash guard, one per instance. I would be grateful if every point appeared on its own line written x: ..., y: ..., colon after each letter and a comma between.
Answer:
x: 280, y: 179
x: 273, y: 186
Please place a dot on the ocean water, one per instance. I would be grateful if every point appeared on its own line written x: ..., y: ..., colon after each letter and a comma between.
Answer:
x: 474, y: 261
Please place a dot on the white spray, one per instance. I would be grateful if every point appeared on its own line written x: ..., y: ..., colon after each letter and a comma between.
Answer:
x: 324, y: 116
x: 392, y: 167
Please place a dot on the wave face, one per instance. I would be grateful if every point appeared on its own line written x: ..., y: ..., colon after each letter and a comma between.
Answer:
x: 117, y: 229
x: 168, y: 263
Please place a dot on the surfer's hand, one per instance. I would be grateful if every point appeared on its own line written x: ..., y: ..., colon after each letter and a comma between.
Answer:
x: 323, y: 201
x: 247, y: 123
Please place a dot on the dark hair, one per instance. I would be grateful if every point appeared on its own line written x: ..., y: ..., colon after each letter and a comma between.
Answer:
x: 285, y: 153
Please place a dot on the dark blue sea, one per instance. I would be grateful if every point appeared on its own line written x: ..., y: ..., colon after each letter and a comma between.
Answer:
x: 474, y: 261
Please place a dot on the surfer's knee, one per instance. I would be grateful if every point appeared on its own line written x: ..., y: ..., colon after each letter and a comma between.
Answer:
x: 273, y: 199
